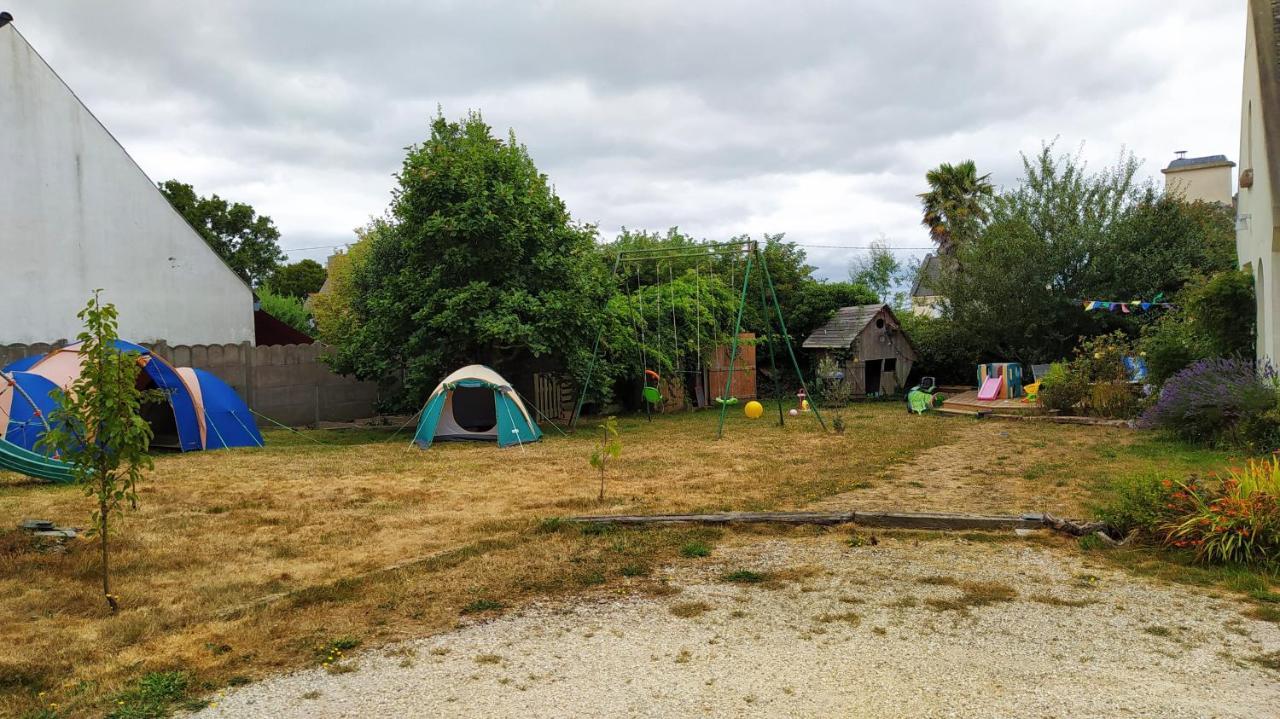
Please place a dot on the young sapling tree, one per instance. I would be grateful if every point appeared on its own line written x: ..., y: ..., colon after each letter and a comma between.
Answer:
x: 98, y: 428
x: 610, y: 448
x: 836, y: 392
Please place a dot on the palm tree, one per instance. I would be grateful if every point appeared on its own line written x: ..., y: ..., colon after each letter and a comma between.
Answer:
x: 955, y: 204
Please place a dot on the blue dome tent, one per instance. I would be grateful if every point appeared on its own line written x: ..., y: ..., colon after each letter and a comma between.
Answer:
x: 25, y: 404
x: 202, y: 412
x: 228, y: 422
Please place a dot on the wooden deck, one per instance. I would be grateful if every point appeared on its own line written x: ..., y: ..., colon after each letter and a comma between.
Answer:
x: 968, y: 401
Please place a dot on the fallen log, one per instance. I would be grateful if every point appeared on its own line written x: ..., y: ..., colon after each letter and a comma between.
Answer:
x: 887, y: 520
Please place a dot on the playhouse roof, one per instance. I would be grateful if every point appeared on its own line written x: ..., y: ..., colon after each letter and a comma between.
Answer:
x: 844, y: 327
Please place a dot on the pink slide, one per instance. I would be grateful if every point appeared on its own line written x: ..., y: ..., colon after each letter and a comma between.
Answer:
x: 991, y: 388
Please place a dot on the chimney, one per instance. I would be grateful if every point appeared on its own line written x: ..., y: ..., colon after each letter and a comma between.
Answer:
x: 1182, y: 154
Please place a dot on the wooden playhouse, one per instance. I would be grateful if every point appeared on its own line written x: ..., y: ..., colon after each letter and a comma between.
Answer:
x: 869, y: 343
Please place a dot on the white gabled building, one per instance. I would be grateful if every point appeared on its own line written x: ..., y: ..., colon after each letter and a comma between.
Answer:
x: 77, y: 213
x: 1257, y: 213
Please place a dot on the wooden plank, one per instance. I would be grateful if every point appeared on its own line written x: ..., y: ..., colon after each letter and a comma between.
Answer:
x: 932, y: 520
x: 980, y: 414
x: 897, y: 520
x: 827, y: 518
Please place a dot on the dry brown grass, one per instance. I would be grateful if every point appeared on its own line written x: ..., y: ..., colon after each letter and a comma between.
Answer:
x: 686, y: 610
x: 1000, y: 467
x: 972, y: 594
x: 314, y: 526
x: 245, y: 562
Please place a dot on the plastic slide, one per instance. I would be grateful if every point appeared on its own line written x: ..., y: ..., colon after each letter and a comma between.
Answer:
x: 991, y: 388
x: 16, y: 459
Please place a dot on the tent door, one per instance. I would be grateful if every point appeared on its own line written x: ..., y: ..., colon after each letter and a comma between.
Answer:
x: 164, y: 427
x: 473, y: 409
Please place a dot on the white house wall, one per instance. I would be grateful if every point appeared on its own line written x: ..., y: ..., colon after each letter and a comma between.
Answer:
x: 76, y: 213
x: 1255, y: 220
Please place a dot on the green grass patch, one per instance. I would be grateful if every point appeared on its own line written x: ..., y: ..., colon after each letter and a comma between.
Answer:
x: 695, y: 550
x: 745, y: 576
x: 483, y: 605
x: 333, y: 650
x: 153, y: 696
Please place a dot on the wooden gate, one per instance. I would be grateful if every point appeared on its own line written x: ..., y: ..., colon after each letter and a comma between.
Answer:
x: 744, y: 370
x: 553, y: 395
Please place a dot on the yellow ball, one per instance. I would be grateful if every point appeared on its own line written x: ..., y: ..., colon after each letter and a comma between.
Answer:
x: 753, y: 410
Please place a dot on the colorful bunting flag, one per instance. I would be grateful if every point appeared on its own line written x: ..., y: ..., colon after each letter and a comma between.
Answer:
x: 1129, y: 307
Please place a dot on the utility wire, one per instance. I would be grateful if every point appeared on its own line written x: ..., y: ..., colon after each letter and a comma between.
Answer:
x: 797, y: 244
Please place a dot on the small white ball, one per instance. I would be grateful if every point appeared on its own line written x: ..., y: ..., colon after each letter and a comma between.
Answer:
x: 795, y: 412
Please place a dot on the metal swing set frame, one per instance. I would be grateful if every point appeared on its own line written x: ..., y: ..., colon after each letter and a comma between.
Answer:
x: 753, y: 258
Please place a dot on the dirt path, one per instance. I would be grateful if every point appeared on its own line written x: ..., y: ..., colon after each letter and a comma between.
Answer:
x: 995, y: 467
x: 907, y: 628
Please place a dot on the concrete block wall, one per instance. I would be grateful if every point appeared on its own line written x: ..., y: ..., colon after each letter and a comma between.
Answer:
x: 288, y: 383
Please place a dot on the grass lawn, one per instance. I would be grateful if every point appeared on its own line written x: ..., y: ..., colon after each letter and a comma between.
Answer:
x: 244, y: 562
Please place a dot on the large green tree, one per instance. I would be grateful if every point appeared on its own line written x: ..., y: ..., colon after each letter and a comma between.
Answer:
x: 1065, y: 234
x: 955, y: 207
x: 480, y: 263
x: 300, y: 279
x: 247, y: 241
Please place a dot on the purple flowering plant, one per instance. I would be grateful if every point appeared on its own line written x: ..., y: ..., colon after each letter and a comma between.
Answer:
x: 1222, y: 402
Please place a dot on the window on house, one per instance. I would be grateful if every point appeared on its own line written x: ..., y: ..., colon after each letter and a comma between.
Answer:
x: 891, y: 364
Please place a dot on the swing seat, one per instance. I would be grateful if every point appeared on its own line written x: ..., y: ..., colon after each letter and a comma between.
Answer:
x: 651, y: 395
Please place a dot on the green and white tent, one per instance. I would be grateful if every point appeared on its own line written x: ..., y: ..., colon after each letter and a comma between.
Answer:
x: 476, y: 403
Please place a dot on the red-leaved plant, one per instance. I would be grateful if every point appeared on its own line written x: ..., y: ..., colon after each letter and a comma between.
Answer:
x: 1233, y: 519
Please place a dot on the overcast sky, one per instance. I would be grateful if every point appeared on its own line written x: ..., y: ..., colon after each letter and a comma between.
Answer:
x: 814, y: 119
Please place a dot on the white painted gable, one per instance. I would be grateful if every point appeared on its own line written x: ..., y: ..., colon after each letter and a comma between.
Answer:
x: 77, y: 213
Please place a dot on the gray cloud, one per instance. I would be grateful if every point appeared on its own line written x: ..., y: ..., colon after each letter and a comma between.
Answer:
x: 817, y: 120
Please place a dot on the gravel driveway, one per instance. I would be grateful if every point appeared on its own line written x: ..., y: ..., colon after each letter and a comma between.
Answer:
x: 937, y: 628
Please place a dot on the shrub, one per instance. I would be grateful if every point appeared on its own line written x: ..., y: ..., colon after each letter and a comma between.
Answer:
x: 1223, y: 310
x: 1216, y: 320
x: 1096, y: 381
x: 947, y: 350
x: 289, y: 310
x: 1101, y: 358
x: 1222, y: 402
x: 1143, y: 504
x: 1169, y: 345
x: 1061, y: 389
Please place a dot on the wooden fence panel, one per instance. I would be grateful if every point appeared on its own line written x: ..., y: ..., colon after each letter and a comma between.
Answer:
x: 744, y: 369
